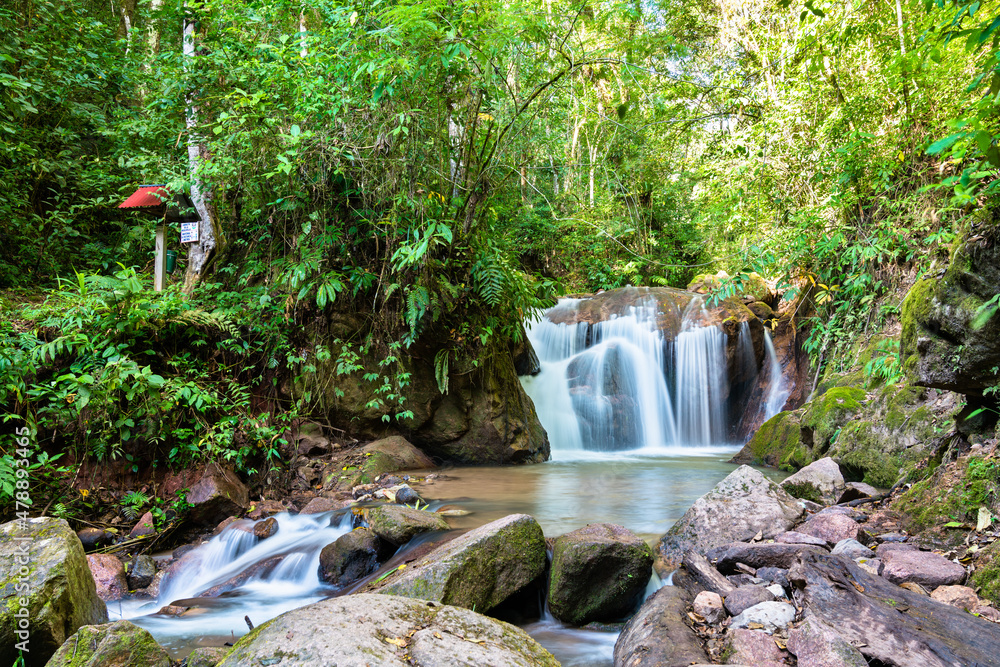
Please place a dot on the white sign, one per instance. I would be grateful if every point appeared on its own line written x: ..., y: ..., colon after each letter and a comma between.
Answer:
x: 189, y: 232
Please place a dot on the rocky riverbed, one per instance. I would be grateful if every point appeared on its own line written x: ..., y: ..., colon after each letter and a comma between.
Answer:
x: 819, y: 577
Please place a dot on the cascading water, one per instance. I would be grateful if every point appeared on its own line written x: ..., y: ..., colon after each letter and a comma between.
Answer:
x: 258, y: 578
x: 620, y: 385
x: 777, y: 392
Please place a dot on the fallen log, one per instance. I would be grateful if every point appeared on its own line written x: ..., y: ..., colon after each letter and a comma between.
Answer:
x: 657, y: 635
x: 706, y: 574
x: 888, y: 623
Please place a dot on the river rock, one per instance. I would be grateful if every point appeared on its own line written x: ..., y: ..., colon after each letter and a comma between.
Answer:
x: 821, y: 481
x: 852, y: 549
x: 110, y: 645
x: 657, y: 635
x: 771, y: 615
x: 962, y: 597
x: 387, y: 631
x: 745, y: 597
x: 109, y: 576
x: 761, y: 555
x: 740, y: 506
x: 921, y: 567
x: 753, y: 647
x: 396, y: 453
x: 266, y: 528
x: 207, y: 656
x: 141, y: 572
x: 320, y: 505
x: 709, y: 606
x: 816, y: 645
x: 884, y: 548
x: 795, y: 537
x: 405, y: 495
x: 95, y: 538
x: 857, y: 491
x: 831, y: 527
x: 259, y: 569
x: 777, y: 575
x: 398, y: 524
x: 144, y: 528
x: 351, y: 557
x: 479, y: 569
x: 61, y: 594
x: 218, y: 494
x: 598, y: 573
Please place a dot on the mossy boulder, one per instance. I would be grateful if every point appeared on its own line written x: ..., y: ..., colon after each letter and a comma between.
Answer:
x: 986, y: 573
x: 953, y: 492
x: 389, y: 631
x: 940, y: 346
x: 398, y: 524
x: 777, y: 443
x: 42, y: 563
x: 478, y: 570
x: 824, y: 416
x: 599, y: 573
x: 118, y: 644
x: 207, y: 656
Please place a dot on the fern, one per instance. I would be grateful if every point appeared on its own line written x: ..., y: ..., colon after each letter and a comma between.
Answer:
x: 441, y: 370
x: 202, y: 318
x: 132, y: 504
x: 489, y: 276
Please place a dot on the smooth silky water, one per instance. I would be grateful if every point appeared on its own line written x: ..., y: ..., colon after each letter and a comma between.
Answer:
x: 637, y: 429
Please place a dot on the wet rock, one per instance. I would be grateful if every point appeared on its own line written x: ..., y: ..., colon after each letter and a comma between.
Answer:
x: 816, y: 645
x: 387, y: 631
x: 758, y: 556
x: 394, y: 453
x: 821, y: 481
x: 777, y: 575
x: 218, y: 494
x: 771, y: 615
x: 398, y: 524
x: 153, y: 590
x: 172, y: 610
x: 657, y: 635
x: 144, y: 527
x: 61, y: 594
x: 266, y: 528
x: 265, y: 508
x: 118, y: 643
x: 95, y: 538
x: 141, y: 572
x: 753, y: 647
x: 207, y: 656
x: 709, y: 606
x: 109, y: 576
x: 351, y: 557
x: 740, y: 506
x: 406, y: 496
x: 962, y: 597
x: 831, y: 527
x: 259, y: 569
x: 745, y: 597
x: 857, y: 491
x: 922, y: 567
x: 598, y: 573
x: 320, y: 505
x: 795, y: 537
x: 480, y: 569
x: 225, y: 523
x: 852, y: 549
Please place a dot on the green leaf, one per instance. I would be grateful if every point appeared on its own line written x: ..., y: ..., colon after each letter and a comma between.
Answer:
x: 942, y: 145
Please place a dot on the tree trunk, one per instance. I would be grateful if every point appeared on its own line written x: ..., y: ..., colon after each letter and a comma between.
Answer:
x: 201, y: 250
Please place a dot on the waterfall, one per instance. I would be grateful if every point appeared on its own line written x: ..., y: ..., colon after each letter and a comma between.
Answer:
x: 777, y: 392
x: 620, y: 385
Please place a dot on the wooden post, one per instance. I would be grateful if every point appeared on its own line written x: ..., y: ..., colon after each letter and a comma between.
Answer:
x: 160, y: 259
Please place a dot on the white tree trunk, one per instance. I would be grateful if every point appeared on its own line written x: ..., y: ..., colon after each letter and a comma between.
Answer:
x: 199, y: 251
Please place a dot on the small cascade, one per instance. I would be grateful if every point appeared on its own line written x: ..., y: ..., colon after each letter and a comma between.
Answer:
x: 621, y: 385
x: 777, y: 392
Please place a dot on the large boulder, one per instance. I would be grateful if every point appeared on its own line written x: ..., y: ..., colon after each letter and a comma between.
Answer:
x: 217, y: 495
x: 387, y: 631
x: 118, y: 644
x: 396, y: 453
x: 484, y: 418
x: 657, y: 635
x: 42, y: 560
x: 821, y: 482
x: 351, y: 557
x: 598, y: 572
x: 740, y: 506
x: 109, y: 576
x: 941, y: 346
x: 398, y: 524
x: 477, y: 570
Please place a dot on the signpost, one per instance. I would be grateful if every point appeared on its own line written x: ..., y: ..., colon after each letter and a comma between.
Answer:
x: 160, y: 259
x: 189, y: 232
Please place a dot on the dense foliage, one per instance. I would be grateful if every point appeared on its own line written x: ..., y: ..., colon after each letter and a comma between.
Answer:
x: 447, y: 167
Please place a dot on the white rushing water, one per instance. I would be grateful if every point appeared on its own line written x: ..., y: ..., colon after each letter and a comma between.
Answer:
x: 778, y: 391
x: 619, y: 385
